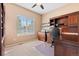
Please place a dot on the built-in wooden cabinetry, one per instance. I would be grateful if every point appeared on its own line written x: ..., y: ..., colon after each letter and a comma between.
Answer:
x: 66, y: 48
x: 68, y: 43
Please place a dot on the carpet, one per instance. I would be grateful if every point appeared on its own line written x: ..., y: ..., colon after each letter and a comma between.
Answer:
x: 32, y: 48
x: 45, y: 49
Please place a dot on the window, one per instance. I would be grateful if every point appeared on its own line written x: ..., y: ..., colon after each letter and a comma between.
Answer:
x: 25, y: 25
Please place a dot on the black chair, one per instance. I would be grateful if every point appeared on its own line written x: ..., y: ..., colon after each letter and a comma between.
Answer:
x: 55, y: 34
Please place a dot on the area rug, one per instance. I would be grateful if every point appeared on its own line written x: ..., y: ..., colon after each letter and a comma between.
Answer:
x: 45, y: 49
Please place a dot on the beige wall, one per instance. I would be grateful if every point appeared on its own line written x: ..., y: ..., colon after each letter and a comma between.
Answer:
x: 11, y: 12
x: 60, y: 11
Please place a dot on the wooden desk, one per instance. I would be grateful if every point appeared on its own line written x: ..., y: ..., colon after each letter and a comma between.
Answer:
x: 41, y: 36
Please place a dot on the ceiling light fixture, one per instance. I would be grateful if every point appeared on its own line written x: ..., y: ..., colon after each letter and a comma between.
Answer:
x: 38, y: 4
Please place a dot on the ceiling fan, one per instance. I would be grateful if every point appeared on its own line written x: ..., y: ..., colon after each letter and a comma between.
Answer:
x: 38, y: 4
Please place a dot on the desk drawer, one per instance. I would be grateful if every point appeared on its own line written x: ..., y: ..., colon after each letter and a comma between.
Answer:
x: 70, y: 37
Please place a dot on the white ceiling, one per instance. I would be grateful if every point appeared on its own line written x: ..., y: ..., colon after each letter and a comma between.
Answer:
x: 47, y: 7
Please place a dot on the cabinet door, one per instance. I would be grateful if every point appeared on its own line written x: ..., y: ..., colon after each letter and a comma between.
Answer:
x: 58, y: 49
x: 63, y: 20
x: 73, y: 20
x: 63, y: 48
x: 69, y: 50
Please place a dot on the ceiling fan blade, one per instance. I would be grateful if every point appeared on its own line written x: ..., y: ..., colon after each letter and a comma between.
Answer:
x: 34, y: 5
x: 42, y: 6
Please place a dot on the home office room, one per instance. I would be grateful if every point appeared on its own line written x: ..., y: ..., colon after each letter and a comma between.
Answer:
x: 39, y: 29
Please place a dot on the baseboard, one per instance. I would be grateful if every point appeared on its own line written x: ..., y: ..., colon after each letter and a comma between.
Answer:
x: 18, y: 43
